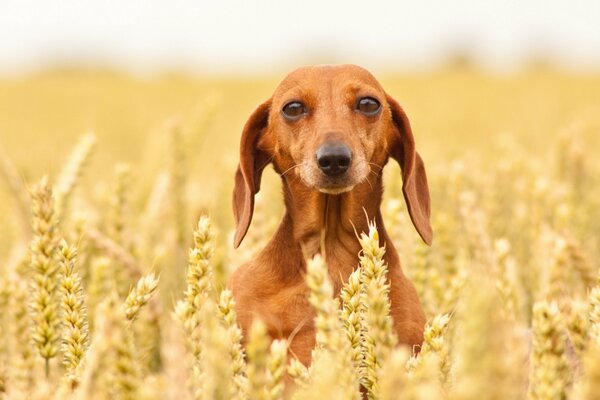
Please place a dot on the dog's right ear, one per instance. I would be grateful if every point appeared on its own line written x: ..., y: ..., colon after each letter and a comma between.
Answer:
x: 249, y: 171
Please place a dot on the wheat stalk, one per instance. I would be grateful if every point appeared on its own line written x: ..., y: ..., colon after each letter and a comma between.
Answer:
x: 75, y: 336
x: 549, y: 369
x: 4, y: 334
x: 377, y: 335
x: 434, y: 342
x: 215, y: 366
x: 19, y: 193
x: 199, y: 284
x: 22, y: 366
x: 44, y: 283
x: 227, y: 314
x: 330, y: 333
x: 257, y: 350
x: 351, y: 315
x: 140, y: 295
x: 71, y: 172
x: 594, y: 317
x: 276, y: 369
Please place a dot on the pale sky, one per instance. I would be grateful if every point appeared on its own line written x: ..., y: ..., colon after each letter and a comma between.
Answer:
x: 227, y: 36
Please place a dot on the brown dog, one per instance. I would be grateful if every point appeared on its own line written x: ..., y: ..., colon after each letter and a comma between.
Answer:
x: 328, y: 131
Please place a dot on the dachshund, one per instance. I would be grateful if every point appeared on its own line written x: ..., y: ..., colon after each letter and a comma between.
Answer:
x: 328, y: 131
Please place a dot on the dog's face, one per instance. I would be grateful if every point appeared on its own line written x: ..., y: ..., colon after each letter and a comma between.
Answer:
x: 331, y: 126
x: 327, y: 125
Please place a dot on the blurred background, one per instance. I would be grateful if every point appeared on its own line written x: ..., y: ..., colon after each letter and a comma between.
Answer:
x: 265, y: 37
x: 473, y: 76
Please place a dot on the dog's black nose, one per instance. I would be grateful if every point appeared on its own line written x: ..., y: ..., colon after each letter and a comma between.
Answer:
x: 334, y: 158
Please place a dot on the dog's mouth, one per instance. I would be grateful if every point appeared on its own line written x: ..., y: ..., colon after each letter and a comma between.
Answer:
x: 314, y: 178
x: 335, y: 189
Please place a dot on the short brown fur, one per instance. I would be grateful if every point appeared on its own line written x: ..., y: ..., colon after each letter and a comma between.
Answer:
x: 321, y: 215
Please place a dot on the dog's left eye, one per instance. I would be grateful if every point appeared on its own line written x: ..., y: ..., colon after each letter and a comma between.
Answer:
x: 368, y: 106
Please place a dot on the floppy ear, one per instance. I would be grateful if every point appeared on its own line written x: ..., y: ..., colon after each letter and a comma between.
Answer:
x: 414, y: 178
x: 249, y: 171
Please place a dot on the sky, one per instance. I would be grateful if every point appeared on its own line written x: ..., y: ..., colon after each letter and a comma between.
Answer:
x: 232, y: 36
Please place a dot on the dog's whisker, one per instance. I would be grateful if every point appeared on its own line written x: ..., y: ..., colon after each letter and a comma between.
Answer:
x: 374, y: 174
x: 289, y: 169
x: 296, y: 330
x: 269, y: 160
x: 375, y: 165
x: 369, y: 182
x: 293, y: 179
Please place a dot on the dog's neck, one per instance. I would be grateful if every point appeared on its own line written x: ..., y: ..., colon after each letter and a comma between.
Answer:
x: 319, y: 223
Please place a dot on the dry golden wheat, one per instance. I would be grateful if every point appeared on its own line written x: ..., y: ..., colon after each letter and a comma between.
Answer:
x: 510, y: 285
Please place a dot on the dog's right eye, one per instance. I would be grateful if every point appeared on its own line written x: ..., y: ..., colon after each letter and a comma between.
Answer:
x: 293, y: 110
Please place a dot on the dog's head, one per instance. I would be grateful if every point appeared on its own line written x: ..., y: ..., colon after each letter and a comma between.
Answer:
x: 329, y: 125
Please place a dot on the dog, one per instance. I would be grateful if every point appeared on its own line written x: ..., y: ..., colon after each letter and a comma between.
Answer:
x: 328, y: 131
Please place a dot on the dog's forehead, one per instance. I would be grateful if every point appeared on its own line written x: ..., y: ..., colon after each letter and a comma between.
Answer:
x: 319, y: 77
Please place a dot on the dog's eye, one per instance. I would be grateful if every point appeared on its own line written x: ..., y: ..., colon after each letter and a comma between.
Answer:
x: 368, y: 106
x: 293, y: 110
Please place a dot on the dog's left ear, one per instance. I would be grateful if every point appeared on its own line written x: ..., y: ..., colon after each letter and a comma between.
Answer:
x: 249, y: 171
x: 414, y: 178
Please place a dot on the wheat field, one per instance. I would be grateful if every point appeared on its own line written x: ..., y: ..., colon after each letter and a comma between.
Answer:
x: 116, y: 244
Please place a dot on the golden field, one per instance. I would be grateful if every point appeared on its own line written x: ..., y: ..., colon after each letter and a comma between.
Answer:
x: 112, y: 278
